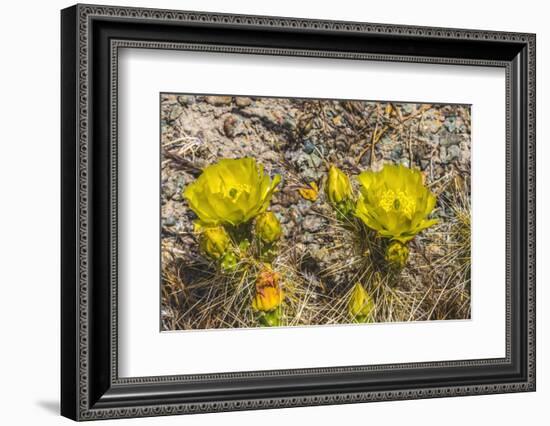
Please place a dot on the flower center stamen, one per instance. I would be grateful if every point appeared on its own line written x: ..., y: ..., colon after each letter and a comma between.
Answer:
x: 233, y: 192
x: 400, y: 201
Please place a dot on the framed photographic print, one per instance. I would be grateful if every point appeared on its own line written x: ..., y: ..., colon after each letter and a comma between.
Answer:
x: 263, y: 212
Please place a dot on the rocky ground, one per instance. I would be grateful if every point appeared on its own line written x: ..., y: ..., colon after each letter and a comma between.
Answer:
x: 298, y: 139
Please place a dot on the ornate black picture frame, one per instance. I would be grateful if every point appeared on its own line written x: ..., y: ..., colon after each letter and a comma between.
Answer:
x: 91, y: 36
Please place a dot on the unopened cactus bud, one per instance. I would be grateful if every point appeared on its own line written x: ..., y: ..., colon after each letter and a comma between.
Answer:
x: 397, y: 254
x: 269, y: 294
x: 338, y: 186
x: 271, y: 318
x: 229, y: 261
x: 268, y: 227
x: 360, y: 304
x: 214, y: 241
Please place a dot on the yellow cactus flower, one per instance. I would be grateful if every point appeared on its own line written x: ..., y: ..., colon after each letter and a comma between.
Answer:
x: 397, y: 254
x: 268, y: 227
x: 214, y: 241
x: 360, y: 304
x: 231, y: 191
x: 269, y: 294
x: 395, y: 203
x: 338, y: 186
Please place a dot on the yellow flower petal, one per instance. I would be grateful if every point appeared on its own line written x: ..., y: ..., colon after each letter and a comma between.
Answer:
x: 310, y: 193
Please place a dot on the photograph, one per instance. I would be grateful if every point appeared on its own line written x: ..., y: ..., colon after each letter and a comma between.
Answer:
x: 279, y: 212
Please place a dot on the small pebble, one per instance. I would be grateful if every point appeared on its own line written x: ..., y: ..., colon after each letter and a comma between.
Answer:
x: 397, y: 153
x: 453, y: 153
x: 450, y: 123
x: 308, y: 146
x: 170, y: 221
x: 229, y: 126
x: 407, y: 108
x: 449, y: 139
x: 289, y: 124
x: 218, y: 100
x: 176, y: 111
x: 316, y: 160
x: 242, y: 102
x: 312, y: 223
